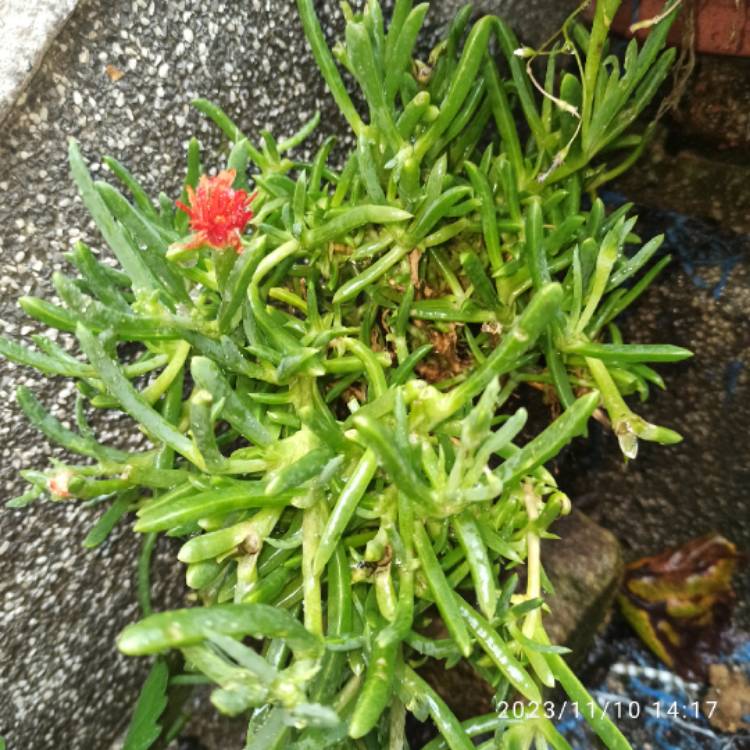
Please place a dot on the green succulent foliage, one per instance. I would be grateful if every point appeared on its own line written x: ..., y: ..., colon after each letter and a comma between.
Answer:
x: 325, y: 412
x: 144, y: 728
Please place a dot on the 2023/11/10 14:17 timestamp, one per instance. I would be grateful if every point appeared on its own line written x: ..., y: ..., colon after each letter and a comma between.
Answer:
x: 618, y: 709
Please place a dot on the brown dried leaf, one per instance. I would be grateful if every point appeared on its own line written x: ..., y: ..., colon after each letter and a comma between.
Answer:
x: 114, y: 73
x: 679, y: 602
x: 447, y: 359
x: 355, y: 391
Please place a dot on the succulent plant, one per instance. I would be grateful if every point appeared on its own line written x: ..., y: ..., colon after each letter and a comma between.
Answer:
x: 322, y: 373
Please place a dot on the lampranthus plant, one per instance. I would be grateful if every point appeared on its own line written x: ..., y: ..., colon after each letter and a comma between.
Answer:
x: 321, y: 371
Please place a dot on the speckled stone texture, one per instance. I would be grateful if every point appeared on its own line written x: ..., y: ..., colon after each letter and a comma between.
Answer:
x: 26, y: 31
x: 534, y: 21
x: 699, y: 163
x: 716, y: 107
x: 684, y: 172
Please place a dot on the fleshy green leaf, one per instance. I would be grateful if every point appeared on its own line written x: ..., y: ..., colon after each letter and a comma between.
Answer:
x: 144, y: 729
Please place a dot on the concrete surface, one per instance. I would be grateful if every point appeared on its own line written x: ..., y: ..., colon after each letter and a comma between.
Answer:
x: 26, y: 31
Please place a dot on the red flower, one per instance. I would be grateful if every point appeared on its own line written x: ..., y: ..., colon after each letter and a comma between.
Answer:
x: 218, y: 213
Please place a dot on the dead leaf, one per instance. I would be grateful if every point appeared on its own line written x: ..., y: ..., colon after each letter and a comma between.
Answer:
x: 447, y: 359
x: 422, y: 72
x: 355, y: 391
x: 679, y: 602
x: 115, y: 74
x: 493, y: 327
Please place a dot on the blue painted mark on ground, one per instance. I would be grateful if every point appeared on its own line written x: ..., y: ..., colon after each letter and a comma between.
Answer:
x: 697, y: 248
x: 668, y: 716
